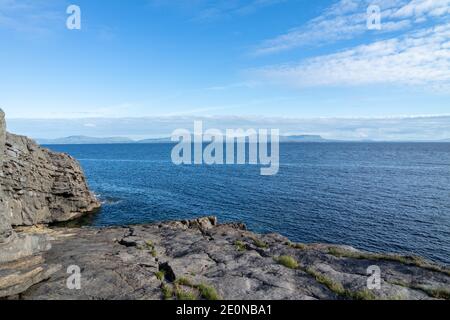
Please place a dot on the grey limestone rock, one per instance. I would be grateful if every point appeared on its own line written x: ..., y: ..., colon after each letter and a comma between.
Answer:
x: 144, y: 262
x: 42, y: 186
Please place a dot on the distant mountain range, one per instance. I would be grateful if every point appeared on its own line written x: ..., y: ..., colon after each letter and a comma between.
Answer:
x: 124, y: 140
x: 303, y: 138
x: 85, y: 140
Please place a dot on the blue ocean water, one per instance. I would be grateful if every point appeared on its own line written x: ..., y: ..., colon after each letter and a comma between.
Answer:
x: 383, y: 197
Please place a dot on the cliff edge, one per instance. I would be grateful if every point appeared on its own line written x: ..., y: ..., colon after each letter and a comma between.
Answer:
x: 41, y: 186
x: 36, y: 186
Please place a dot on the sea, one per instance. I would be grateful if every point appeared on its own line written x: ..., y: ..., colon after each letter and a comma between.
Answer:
x: 380, y: 197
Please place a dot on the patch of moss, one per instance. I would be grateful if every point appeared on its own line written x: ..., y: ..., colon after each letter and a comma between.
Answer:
x: 154, y: 253
x: 287, y: 261
x: 260, y: 244
x: 299, y: 246
x: 240, y: 246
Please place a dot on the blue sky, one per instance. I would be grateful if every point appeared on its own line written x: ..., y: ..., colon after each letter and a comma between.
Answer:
x: 279, y: 59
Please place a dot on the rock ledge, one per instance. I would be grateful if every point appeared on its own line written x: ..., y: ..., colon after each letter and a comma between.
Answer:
x: 202, y: 259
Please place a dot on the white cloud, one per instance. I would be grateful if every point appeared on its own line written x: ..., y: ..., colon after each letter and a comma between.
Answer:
x: 422, y: 8
x: 421, y: 58
x: 347, y: 19
x: 31, y: 16
x: 431, y: 127
x: 205, y: 10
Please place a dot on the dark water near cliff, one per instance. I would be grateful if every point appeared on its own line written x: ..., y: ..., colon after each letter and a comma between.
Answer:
x: 392, y: 197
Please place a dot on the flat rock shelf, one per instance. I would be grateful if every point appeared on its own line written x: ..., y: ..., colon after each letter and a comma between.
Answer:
x: 201, y: 259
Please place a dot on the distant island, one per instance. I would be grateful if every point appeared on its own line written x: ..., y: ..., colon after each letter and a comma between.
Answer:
x: 125, y: 140
x: 85, y: 140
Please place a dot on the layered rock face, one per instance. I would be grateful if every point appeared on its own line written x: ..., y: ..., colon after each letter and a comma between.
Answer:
x: 36, y: 186
x: 41, y: 186
x: 12, y: 245
x: 5, y: 225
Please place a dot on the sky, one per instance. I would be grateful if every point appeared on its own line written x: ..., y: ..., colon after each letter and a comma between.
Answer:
x: 311, y: 67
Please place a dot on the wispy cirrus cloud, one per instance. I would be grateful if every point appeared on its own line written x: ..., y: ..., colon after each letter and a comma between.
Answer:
x: 420, y: 58
x: 347, y: 19
x: 205, y: 10
x: 31, y: 16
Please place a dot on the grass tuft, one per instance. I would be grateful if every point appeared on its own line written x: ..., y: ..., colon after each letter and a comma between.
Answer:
x: 288, y: 262
x: 439, y: 293
x: 184, y: 282
x: 160, y: 275
x: 167, y: 292
x: 334, y: 286
x: 337, y: 287
x: 361, y: 295
x: 184, y: 294
x: 208, y: 292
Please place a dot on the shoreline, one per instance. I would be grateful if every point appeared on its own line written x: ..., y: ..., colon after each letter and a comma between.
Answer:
x: 83, y: 222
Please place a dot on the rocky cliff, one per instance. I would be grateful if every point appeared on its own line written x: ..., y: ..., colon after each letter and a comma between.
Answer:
x: 36, y: 186
x: 42, y: 186
x: 5, y: 224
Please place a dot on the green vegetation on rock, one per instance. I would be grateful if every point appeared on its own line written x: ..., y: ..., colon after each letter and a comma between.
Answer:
x: 208, y: 292
x: 240, y: 246
x: 408, y: 260
x: 287, y: 261
x: 160, y: 275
